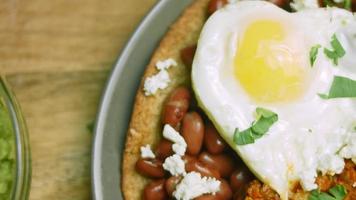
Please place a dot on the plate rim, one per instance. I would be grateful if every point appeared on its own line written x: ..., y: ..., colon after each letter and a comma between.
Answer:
x: 96, y: 184
x: 104, y: 104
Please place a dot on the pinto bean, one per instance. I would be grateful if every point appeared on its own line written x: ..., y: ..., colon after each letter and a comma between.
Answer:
x: 207, y: 197
x: 171, y: 184
x: 280, y: 3
x: 222, y: 162
x: 193, y: 132
x: 213, y: 141
x: 239, y: 195
x: 164, y: 149
x: 189, y: 159
x: 215, y: 5
x: 150, y: 167
x: 204, y: 170
x: 240, y: 178
x: 176, y: 106
x: 155, y: 191
x: 225, y: 193
x: 187, y: 55
x: 192, y: 164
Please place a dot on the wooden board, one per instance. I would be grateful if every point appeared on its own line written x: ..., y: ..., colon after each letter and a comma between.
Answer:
x: 57, y: 55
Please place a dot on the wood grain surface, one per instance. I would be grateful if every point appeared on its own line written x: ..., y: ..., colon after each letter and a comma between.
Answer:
x: 56, y: 55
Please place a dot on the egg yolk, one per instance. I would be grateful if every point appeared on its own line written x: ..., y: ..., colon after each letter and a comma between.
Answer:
x: 266, y: 67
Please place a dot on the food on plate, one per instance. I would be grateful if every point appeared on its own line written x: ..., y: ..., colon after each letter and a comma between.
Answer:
x: 245, y: 61
x: 252, y: 101
x: 7, y: 153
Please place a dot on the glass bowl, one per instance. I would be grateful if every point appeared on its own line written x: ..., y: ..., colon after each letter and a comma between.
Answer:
x: 15, y: 159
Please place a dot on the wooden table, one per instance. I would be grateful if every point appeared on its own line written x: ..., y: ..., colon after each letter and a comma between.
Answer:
x: 57, y: 54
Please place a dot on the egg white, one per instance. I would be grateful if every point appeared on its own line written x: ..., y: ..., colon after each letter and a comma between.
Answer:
x: 310, y: 131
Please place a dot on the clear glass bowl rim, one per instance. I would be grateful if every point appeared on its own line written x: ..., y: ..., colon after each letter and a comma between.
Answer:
x: 22, y: 180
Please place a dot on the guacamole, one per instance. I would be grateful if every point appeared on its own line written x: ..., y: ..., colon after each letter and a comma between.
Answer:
x: 7, y: 153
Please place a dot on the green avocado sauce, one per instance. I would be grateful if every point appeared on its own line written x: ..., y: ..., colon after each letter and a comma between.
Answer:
x: 7, y: 153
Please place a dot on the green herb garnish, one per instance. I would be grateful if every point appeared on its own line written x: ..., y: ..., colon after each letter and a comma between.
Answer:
x: 337, y: 192
x: 341, y: 87
x: 329, y: 3
x: 244, y: 137
x: 347, y: 4
x: 337, y: 52
x: 313, y: 53
x: 265, y: 119
x: 332, y: 55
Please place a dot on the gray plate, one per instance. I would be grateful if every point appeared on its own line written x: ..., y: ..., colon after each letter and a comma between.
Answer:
x: 118, y: 98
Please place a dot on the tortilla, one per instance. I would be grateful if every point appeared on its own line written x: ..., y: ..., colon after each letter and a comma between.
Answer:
x: 145, y: 126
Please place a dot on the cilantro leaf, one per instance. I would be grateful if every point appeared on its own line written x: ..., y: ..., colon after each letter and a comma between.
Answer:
x: 347, y: 4
x: 337, y: 192
x: 264, y: 112
x: 314, y: 195
x: 313, y: 53
x: 329, y: 3
x: 337, y: 52
x: 341, y: 87
x: 332, y: 55
x: 244, y: 137
x: 265, y: 119
x: 262, y: 125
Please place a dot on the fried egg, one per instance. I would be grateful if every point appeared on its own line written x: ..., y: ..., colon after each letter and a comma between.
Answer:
x: 253, y: 54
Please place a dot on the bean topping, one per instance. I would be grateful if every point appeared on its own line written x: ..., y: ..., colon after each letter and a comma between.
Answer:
x: 187, y: 55
x: 188, y: 159
x: 215, y: 5
x: 216, y: 162
x: 204, y: 170
x: 150, y: 167
x: 193, y: 132
x: 239, y: 195
x: 171, y: 184
x: 281, y: 3
x: 164, y: 149
x: 222, y: 162
x: 240, y: 178
x: 176, y: 106
x: 225, y: 193
x: 213, y: 141
x: 155, y: 191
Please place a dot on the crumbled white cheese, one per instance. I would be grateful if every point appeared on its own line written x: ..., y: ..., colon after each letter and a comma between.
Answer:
x: 346, y: 35
x: 304, y: 4
x: 179, y: 145
x: 155, y: 82
x: 166, y: 64
x: 175, y: 165
x: 146, y: 152
x: 159, y: 80
x: 307, y: 180
x: 331, y: 164
x: 349, y: 151
x: 193, y: 185
x: 354, y: 185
